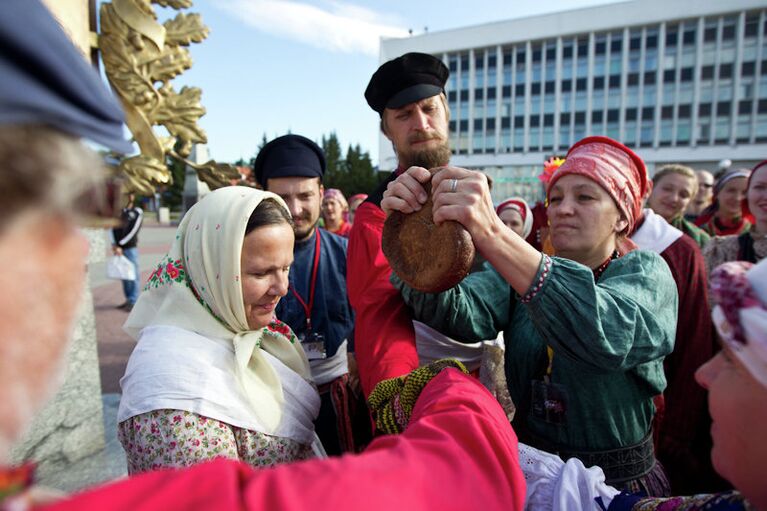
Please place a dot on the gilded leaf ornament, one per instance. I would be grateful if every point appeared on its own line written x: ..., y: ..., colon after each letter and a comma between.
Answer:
x: 141, y: 57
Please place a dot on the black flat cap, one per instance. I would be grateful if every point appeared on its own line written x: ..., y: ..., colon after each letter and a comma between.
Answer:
x: 289, y: 156
x: 406, y: 79
x: 45, y: 80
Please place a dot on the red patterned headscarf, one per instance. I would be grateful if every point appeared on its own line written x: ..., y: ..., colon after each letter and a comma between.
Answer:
x: 614, y: 167
x: 338, y: 196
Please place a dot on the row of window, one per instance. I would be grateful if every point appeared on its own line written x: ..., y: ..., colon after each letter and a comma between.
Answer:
x: 675, y: 34
x: 543, y: 141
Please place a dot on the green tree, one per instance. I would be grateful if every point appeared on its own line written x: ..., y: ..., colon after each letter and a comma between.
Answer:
x: 172, y: 196
x: 264, y: 141
x: 363, y: 178
x: 332, y: 148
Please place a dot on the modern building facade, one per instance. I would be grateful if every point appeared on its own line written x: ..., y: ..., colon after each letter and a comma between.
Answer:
x: 679, y: 81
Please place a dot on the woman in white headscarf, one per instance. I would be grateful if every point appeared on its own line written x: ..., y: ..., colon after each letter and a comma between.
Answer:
x: 516, y: 214
x: 214, y: 374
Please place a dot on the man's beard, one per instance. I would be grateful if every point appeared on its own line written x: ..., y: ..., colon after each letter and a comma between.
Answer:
x: 427, y: 158
x: 304, y: 232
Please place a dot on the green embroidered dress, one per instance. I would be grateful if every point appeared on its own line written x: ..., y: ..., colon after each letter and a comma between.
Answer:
x: 608, y: 342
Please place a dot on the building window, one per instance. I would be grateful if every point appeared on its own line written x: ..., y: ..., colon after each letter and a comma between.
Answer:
x: 564, y: 136
x: 668, y: 94
x: 666, y: 127
x: 689, y: 36
x: 535, y: 105
x: 743, y: 129
x: 646, y: 134
x: 613, y: 130
x: 630, y: 133
x: 632, y: 96
x: 490, y: 142
x: 703, y: 130
x: 548, y: 138
x: 725, y: 90
x: 761, y: 128
x: 722, y: 133
x: 519, y: 140
x: 649, y: 95
x: 683, y: 131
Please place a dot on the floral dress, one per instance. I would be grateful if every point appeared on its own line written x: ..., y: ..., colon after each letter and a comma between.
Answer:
x: 175, y: 438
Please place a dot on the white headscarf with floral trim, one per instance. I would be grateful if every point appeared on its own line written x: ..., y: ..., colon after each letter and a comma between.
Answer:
x: 197, y: 287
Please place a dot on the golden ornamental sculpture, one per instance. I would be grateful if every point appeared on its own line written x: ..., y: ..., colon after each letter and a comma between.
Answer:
x: 141, y: 57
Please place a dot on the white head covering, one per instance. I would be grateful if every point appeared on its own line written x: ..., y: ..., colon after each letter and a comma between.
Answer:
x: 740, y: 291
x: 197, y: 287
x: 519, y: 205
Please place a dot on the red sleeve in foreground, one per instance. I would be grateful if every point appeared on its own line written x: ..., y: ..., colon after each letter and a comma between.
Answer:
x: 384, y: 340
x: 459, y: 452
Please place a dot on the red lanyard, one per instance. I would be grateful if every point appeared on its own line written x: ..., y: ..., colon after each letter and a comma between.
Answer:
x: 308, y: 308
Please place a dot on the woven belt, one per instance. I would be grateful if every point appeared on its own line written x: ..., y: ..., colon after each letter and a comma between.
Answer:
x: 619, y: 465
x: 622, y: 464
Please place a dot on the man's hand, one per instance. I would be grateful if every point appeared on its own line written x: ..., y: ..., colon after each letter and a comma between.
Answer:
x: 464, y: 196
x: 118, y: 251
x: 406, y: 193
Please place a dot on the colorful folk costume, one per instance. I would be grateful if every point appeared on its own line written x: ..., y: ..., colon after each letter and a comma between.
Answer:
x: 200, y: 384
x: 684, y: 443
x: 583, y: 382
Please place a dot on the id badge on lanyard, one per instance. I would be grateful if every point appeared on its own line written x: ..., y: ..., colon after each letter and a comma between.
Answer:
x: 312, y: 342
x: 314, y: 345
x: 548, y: 400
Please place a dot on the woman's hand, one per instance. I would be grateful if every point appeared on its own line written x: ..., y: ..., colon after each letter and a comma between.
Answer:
x: 464, y: 196
x: 406, y: 193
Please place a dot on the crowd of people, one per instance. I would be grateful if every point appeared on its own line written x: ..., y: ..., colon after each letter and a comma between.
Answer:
x: 630, y: 311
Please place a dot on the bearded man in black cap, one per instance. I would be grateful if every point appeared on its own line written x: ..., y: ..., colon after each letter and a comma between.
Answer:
x: 409, y: 95
x: 316, y: 307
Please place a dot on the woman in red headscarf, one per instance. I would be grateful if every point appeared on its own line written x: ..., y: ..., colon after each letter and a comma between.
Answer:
x: 586, y: 331
x: 750, y: 245
x: 727, y: 215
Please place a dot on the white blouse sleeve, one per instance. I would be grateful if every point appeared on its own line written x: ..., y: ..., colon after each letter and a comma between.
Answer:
x: 553, y: 484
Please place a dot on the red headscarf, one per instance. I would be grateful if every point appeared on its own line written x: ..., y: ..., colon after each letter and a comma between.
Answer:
x: 614, y: 167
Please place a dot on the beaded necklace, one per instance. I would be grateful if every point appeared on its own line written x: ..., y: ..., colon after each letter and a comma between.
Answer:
x: 602, y: 267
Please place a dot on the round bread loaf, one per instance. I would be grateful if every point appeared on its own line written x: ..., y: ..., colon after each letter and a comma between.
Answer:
x: 425, y: 256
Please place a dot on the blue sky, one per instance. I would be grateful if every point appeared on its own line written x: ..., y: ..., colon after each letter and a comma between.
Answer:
x: 269, y: 66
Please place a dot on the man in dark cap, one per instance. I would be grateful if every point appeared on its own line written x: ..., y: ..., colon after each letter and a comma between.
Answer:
x: 408, y: 93
x: 316, y: 307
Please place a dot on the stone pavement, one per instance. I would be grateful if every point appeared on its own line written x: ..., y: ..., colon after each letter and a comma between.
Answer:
x: 114, y: 348
x: 114, y: 345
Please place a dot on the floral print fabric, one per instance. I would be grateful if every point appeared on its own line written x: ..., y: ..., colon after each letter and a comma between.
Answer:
x: 729, y: 501
x: 175, y: 438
